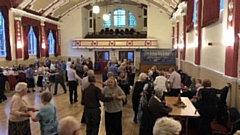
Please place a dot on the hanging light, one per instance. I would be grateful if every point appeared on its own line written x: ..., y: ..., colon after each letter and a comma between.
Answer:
x: 105, y: 17
x: 96, y: 9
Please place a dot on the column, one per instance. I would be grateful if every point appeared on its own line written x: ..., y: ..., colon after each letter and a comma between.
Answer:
x: 43, y: 40
x: 18, y: 36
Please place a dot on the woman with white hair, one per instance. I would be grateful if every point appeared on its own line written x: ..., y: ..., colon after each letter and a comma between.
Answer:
x: 113, y: 110
x: 68, y: 126
x: 138, y: 88
x: 167, y: 126
x: 19, y: 112
x: 46, y: 116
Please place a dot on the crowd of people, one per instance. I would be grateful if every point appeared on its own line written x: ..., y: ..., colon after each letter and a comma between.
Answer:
x: 148, y: 98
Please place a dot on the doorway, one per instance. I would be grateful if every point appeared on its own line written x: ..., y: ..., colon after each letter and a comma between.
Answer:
x: 129, y: 55
x: 101, y: 60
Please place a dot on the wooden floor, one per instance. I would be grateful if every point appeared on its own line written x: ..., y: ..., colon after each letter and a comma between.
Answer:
x: 64, y: 108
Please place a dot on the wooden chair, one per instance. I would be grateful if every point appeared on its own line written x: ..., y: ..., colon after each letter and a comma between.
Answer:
x: 12, y: 81
x: 22, y: 77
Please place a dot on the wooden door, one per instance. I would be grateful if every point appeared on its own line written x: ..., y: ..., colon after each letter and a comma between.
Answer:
x: 101, y: 60
x: 129, y: 55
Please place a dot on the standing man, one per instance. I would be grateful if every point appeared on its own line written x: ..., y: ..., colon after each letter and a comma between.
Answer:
x: 89, y: 63
x: 59, y: 78
x: 175, y: 82
x: 91, y: 97
x: 113, y: 69
x: 64, y: 67
x: 72, y: 83
x: 30, y: 78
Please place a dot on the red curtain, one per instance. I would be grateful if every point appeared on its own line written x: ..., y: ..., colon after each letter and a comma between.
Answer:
x: 211, y: 9
x: 6, y: 3
x: 190, y: 7
x: 36, y: 28
x: 56, y: 42
x: 26, y: 29
x: 54, y: 28
x: 5, y: 10
x: 59, y: 41
x: 47, y: 31
x: 36, y: 31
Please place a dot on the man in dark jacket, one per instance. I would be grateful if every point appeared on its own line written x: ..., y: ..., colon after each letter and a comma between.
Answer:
x: 91, y: 97
x: 157, y: 107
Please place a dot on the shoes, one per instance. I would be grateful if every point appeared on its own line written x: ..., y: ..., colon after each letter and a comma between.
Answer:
x: 76, y: 101
x: 65, y: 92
x: 33, y: 90
x: 71, y: 102
x: 135, y: 120
x: 55, y: 94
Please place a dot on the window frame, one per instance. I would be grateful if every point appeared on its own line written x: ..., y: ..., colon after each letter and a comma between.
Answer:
x: 119, y: 16
x: 32, y: 43
x: 2, y: 30
x: 51, y: 44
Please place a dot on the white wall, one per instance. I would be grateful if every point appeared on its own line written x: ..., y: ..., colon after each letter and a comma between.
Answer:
x: 212, y: 57
x: 71, y: 27
x: 160, y: 27
x: 85, y: 23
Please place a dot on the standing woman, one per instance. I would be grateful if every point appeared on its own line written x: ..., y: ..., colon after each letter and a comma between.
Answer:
x: 123, y: 82
x: 19, y: 112
x: 40, y: 76
x: 113, y: 110
x: 137, y: 90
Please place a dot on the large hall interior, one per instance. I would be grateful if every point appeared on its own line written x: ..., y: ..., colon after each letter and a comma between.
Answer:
x: 173, y: 62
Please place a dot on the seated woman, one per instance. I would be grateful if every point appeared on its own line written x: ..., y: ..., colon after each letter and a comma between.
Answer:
x: 207, y: 107
x: 46, y: 116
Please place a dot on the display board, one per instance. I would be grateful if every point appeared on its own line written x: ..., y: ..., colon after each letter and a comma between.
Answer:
x: 158, y: 56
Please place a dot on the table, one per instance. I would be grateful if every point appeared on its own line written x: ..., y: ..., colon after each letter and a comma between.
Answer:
x: 188, y: 112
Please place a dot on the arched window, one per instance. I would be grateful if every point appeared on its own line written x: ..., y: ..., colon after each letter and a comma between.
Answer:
x: 119, y: 18
x: 131, y: 20
x: 2, y: 36
x: 51, y: 43
x: 107, y: 23
x: 32, y: 42
x: 221, y: 4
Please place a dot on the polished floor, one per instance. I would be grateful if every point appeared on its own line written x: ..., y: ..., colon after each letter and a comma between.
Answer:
x: 64, y: 108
